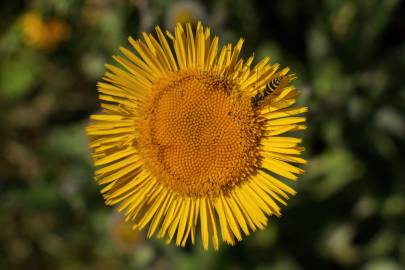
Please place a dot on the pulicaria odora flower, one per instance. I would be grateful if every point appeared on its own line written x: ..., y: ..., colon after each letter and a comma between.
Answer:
x: 192, y: 139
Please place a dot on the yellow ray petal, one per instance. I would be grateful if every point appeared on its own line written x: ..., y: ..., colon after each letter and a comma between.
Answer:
x: 265, y: 194
x: 204, y: 223
x: 223, y: 222
x: 143, y: 69
x: 245, y: 212
x: 287, y: 158
x: 251, y: 209
x: 115, y: 156
x: 152, y: 210
x: 173, y: 209
x: 166, y: 48
x: 142, y: 176
x: 290, y: 151
x: 256, y: 199
x: 286, y: 112
x: 183, y: 224
x: 285, y: 121
x: 277, y: 183
x: 179, y: 46
x: 234, y: 208
x: 212, y: 53
x: 190, y: 222
x: 175, y: 221
x: 233, y: 224
x: 117, y: 165
x: 195, y: 219
x: 166, y: 201
x: 212, y: 227
x: 273, y: 167
x: 141, y: 76
x: 191, y: 53
x: 147, y: 56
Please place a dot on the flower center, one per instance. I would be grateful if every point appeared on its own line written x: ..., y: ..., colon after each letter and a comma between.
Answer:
x: 199, y: 134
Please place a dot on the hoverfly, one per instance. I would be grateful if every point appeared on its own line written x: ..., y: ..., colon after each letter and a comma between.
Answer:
x: 270, y: 88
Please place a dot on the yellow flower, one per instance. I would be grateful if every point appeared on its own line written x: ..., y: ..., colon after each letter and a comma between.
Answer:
x: 184, y: 12
x: 185, y: 144
x: 122, y: 235
x: 43, y: 35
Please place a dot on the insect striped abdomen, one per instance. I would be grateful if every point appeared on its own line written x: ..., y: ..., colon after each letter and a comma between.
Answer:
x: 270, y: 88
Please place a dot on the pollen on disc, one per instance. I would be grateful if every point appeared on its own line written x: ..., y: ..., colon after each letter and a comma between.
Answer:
x: 199, y: 134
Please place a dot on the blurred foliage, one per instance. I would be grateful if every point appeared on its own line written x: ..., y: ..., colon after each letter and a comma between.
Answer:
x: 350, y: 60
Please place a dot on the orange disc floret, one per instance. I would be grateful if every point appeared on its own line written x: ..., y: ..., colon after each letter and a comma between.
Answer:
x: 200, y: 134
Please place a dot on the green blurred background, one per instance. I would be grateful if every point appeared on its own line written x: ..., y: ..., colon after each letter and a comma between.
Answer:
x: 350, y: 60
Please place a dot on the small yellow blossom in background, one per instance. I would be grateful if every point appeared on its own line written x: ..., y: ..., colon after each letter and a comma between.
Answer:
x: 188, y: 140
x: 41, y: 34
x: 184, y: 12
x: 122, y: 234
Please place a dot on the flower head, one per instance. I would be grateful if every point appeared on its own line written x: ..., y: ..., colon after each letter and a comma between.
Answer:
x: 192, y: 137
x: 122, y: 235
x: 41, y: 34
x: 184, y: 12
